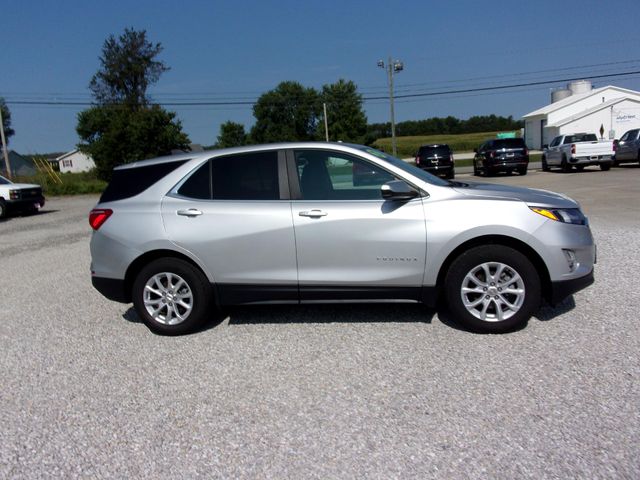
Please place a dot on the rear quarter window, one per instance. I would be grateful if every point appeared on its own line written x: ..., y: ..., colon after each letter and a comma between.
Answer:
x: 129, y: 182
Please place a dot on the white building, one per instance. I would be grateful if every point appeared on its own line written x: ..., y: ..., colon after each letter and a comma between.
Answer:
x: 75, y: 161
x: 580, y: 108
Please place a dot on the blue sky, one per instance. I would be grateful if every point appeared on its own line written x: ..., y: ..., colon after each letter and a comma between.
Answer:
x: 239, y: 49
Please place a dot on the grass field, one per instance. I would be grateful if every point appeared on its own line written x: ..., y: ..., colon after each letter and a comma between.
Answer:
x: 72, y: 183
x: 408, y: 146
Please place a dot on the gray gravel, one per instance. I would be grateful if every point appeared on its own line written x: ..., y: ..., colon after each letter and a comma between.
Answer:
x: 388, y: 391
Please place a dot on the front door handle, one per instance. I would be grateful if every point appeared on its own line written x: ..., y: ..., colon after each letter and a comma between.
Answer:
x: 313, y: 213
x: 191, y: 212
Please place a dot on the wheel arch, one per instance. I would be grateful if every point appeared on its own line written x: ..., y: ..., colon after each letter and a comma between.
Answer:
x: 139, y: 263
x: 519, y: 245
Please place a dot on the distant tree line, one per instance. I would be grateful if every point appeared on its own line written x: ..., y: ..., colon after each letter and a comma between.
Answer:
x: 445, y: 125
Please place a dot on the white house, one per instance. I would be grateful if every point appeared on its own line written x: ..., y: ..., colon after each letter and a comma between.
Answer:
x: 75, y: 161
x: 581, y: 108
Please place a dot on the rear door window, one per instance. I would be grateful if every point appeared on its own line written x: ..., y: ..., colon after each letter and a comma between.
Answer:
x: 249, y: 176
x: 198, y: 185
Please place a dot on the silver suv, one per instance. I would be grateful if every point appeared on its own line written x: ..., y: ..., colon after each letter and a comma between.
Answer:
x: 293, y: 223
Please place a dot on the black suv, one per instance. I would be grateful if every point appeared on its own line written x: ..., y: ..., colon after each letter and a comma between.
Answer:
x: 436, y: 159
x: 501, y: 154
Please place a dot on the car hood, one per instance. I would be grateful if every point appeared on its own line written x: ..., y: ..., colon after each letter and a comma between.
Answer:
x: 531, y: 196
x: 22, y: 185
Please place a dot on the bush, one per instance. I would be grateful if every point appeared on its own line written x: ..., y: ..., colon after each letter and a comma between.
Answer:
x: 72, y: 183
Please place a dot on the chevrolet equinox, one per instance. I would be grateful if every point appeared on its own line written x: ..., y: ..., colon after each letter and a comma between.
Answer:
x: 182, y: 235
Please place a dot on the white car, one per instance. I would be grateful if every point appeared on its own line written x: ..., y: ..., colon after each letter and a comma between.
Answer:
x: 22, y: 197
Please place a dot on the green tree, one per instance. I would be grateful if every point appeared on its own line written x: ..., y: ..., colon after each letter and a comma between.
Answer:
x: 290, y: 112
x: 231, y: 135
x: 128, y: 68
x: 6, y: 120
x: 114, y: 135
x: 123, y: 126
x: 345, y: 116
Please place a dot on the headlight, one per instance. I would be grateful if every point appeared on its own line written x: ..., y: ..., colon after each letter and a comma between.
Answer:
x: 14, y: 194
x: 564, y: 215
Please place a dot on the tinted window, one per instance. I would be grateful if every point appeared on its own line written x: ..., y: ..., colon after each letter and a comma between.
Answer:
x: 626, y: 136
x: 555, y: 142
x: 129, y: 182
x: 250, y: 176
x: 198, y: 185
x: 326, y: 175
x: 440, y: 150
x: 4, y: 181
x: 585, y: 137
x: 508, y: 143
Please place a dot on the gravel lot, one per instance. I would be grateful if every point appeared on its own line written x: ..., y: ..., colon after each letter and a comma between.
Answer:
x: 391, y: 391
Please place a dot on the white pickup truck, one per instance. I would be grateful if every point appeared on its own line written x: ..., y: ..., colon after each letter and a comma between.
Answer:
x: 23, y: 197
x: 577, y: 150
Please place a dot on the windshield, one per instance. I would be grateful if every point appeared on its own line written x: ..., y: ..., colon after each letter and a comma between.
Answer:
x: 4, y: 181
x: 402, y: 165
x: 440, y: 151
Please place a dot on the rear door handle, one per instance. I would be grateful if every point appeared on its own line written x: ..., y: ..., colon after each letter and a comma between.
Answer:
x: 313, y: 213
x: 191, y: 212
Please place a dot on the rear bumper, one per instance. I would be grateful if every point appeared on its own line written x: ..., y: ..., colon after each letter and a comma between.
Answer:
x: 592, y: 160
x: 438, y: 169
x: 111, y: 288
x: 561, y: 290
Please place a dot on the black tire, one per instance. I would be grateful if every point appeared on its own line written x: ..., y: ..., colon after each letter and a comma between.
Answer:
x: 476, y: 172
x: 461, y: 269
x: 522, y: 170
x: 605, y: 167
x: 579, y: 168
x: 564, y: 165
x: 195, y: 283
x: 450, y: 176
x: 3, y: 209
x: 545, y: 166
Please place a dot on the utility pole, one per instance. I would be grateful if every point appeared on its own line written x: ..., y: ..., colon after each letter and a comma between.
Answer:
x: 391, y: 68
x: 4, y: 147
x: 326, y: 123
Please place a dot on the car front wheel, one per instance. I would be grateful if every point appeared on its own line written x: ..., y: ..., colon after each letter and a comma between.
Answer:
x: 172, y: 296
x: 492, y: 289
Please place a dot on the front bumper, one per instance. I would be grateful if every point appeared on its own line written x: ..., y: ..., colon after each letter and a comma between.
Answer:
x: 25, y: 204
x: 562, y: 289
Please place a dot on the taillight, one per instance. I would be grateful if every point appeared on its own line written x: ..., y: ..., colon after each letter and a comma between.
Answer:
x: 492, y: 154
x: 573, y: 149
x: 98, y: 216
x: 418, y: 160
x: 451, y: 158
x: 526, y: 152
x: 615, y: 145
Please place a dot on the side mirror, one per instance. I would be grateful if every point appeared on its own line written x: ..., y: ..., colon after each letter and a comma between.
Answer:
x: 545, y: 146
x: 475, y: 150
x: 397, y: 190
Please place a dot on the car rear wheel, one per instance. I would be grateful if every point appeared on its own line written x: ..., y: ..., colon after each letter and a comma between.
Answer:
x: 564, y: 165
x: 605, y: 167
x: 172, y: 296
x: 522, y: 170
x: 579, y: 168
x: 492, y: 289
x: 3, y: 208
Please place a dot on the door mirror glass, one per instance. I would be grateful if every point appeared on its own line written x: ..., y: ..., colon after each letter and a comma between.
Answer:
x: 545, y: 146
x: 398, y: 190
